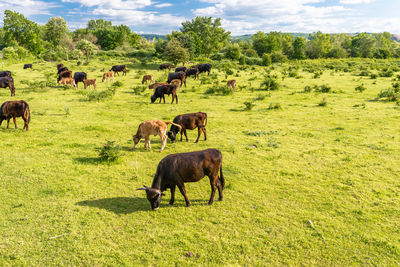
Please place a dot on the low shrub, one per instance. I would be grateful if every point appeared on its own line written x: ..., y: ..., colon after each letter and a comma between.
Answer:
x: 219, y: 90
x: 110, y: 152
x: 248, y: 105
x: 273, y: 106
x: 322, y: 88
x: 100, y: 95
x: 270, y: 84
x: 323, y: 102
x: 138, y: 90
x: 361, y: 88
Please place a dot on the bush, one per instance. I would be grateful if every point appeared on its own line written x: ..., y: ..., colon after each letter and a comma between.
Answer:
x: 322, y: 88
x: 137, y: 90
x: 307, y: 89
x: 323, y: 102
x: 266, y: 60
x: 270, y: 84
x: 364, y: 73
x: 374, y: 76
x: 274, y: 106
x: 389, y: 94
x: 100, y: 95
x: 386, y: 73
x: 248, y: 105
x: 278, y: 56
x: 110, y: 152
x: 117, y: 84
x: 219, y: 90
x: 361, y: 88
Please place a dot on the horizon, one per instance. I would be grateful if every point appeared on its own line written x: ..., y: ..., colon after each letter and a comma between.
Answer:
x: 240, y: 18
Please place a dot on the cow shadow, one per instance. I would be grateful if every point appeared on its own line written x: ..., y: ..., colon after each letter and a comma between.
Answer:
x: 118, y: 205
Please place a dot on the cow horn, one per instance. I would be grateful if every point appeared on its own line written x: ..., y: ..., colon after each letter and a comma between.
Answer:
x: 143, y: 188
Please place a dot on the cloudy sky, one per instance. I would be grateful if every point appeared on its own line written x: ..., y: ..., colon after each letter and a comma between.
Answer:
x: 238, y: 16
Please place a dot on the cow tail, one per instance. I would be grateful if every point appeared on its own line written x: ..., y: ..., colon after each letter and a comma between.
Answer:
x: 173, y: 123
x: 205, y: 123
x: 221, y: 177
x: 27, y: 113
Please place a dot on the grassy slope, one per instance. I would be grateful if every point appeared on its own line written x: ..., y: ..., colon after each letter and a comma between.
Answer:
x: 336, y: 166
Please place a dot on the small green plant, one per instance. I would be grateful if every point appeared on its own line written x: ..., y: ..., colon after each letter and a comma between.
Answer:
x: 137, y: 90
x: 260, y: 97
x: 219, y: 90
x: 67, y: 110
x: 272, y: 143
x: 100, y: 95
x: 248, y: 105
x: 323, y: 102
x: 322, y: 88
x: 270, y: 84
x: 110, y: 152
x: 307, y: 89
x: 389, y: 94
x: 361, y: 88
x: 117, y: 84
x: 273, y: 106
x: 386, y: 73
x: 374, y: 76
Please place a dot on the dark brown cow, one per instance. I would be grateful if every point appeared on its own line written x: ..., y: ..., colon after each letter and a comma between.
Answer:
x: 8, y: 82
x: 177, y: 75
x: 178, y: 169
x: 64, y: 74
x: 118, y: 68
x: 163, y: 90
x: 14, y: 109
x: 192, y: 71
x: 61, y: 70
x: 5, y: 73
x: 59, y: 66
x: 165, y: 66
x: 28, y: 66
x: 180, y: 69
x: 189, y: 121
x: 155, y: 85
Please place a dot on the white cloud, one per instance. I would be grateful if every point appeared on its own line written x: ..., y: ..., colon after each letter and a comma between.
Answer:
x: 353, y: 2
x: 27, y: 7
x: 163, y: 5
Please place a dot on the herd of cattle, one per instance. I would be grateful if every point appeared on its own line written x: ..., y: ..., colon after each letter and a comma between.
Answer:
x: 173, y: 170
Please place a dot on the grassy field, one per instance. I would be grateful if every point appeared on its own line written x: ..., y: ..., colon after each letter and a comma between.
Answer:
x: 295, y: 157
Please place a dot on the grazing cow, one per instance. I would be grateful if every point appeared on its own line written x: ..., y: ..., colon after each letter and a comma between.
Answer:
x: 192, y: 71
x: 204, y: 68
x: 28, y: 66
x: 155, y: 85
x: 5, y: 73
x: 232, y: 84
x: 64, y: 74
x: 176, y: 82
x: 177, y: 75
x: 189, y: 121
x: 14, y: 109
x: 163, y: 90
x: 118, y: 68
x: 165, y: 66
x: 178, y: 169
x: 87, y: 83
x: 61, y: 70
x: 8, y: 82
x: 180, y: 69
x: 108, y: 75
x: 67, y: 80
x: 79, y: 77
x: 152, y: 127
x: 146, y: 78
x: 59, y: 65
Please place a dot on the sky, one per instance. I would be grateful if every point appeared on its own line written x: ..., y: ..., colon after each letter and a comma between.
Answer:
x: 238, y: 16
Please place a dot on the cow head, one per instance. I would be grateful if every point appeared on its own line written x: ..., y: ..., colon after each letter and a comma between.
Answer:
x: 171, y: 136
x: 153, y: 98
x: 153, y: 196
x: 136, y: 139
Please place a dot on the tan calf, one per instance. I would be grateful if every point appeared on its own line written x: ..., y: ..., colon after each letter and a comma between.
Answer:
x: 87, y: 83
x: 155, y: 85
x: 67, y: 80
x: 232, y: 84
x: 108, y: 75
x: 152, y: 127
x: 177, y: 82
x: 146, y: 78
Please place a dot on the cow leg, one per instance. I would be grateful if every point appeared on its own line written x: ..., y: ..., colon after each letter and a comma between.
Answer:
x: 213, y: 181
x: 15, y: 122
x: 181, y: 134
x: 199, y: 129
x: 163, y: 142
x: 163, y: 98
x: 186, y: 135
x: 8, y: 123
x: 171, y: 202
x: 160, y: 100
x: 183, y: 192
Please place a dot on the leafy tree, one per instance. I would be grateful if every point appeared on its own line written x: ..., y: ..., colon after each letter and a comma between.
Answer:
x: 87, y: 48
x: 175, y: 52
x: 55, y: 30
x: 208, y: 35
x: 319, y: 45
x: 160, y: 46
x: 232, y: 51
x: 299, y: 48
x: 186, y: 39
x: 94, y: 25
x: 363, y: 45
x: 260, y: 43
x: 25, y: 32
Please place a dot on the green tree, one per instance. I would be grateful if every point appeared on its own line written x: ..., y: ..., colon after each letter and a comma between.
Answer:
x: 175, y: 52
x: 299, y: 48
x: 232, y: 51
x: 19, y: 29
x: 319, y: 45
x: 94, y: 25
x: 363, y: 45
x: 55, y: 30
x: 208, y: 35
x: 87, y: 48
x: 260, y: 43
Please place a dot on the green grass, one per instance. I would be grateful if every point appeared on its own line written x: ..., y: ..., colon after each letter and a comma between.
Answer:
x: 335, y: 166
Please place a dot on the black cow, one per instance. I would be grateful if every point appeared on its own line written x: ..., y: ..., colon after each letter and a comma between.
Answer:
x: 192, y: 71
x: 178, y: 169
x: 162, y: 90
x: 60, y: 65
x: 61, y: 70
x: 79, y: 77
x: 5, y: 73
x: 189, y: 121
x: 204, y: 68
x: 8, y: 82
x: 177, y: 75
x: 165, y: 66
x: 118, y: 68
x: 180, y: 69
x: 28, y: 66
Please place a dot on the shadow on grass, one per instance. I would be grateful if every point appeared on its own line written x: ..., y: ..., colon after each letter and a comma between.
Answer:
x: 118, y: 205
x: 88, y: 160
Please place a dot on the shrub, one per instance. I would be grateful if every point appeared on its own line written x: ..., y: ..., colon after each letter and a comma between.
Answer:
x: 278, y: 56
x: 361, y: 88
x: 117, y: 84
x: 322, y: 88
x: 389, y: 94
x: 110, y: 152
x: 270, y: 84
x: 323, y: 102
x: 219, y: 90
x: 386, y: 73
x: 317, y: 75
x: 274, y: 106
x: 266, y: 60
x: 307, y: 89
x: 364, y: 73
x: 137, y: 90
x: 374, y: 76
x: 100, y: 95
x: 248, y: 105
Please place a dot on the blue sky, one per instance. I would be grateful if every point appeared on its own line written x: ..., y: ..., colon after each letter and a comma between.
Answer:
x: 238, y: 16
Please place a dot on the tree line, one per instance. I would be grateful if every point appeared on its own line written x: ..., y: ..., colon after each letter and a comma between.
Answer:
x: 199, y: 37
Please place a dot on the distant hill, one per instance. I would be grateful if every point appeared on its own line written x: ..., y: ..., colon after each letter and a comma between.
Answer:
x: 150, y: 36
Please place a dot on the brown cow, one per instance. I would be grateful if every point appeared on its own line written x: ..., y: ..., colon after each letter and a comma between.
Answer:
x: 189, y: 121
x: 67, y: 80
x: 161, y: 90
x: 232, y: 84
x: 14, y: 109
x: 178, y: 169
x: 146, y: 78
x: 8, y: 82
x: 59, y: 66
x: 176, y: 82
x: 152, y: 127
x: 108, y: 75
x: 87, y: 83
x: 64, y: 74
x: 155, y: 85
